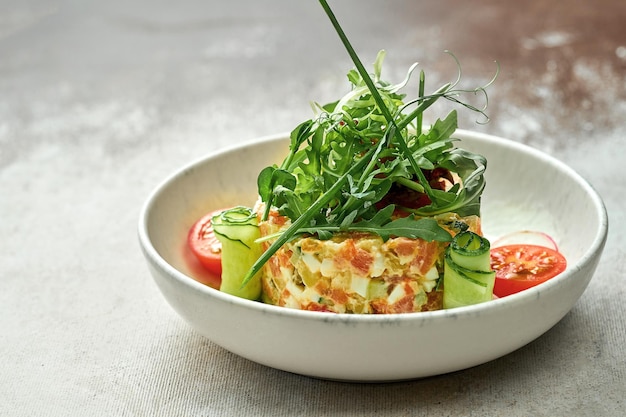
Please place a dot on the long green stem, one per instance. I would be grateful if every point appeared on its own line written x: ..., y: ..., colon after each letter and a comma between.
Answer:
x: 420, y: 94
x: 412, y: 185
x: 379, y: 101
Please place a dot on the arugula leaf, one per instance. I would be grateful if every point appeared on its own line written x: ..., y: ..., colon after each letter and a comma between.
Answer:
x: 425, y: 228
x: 343, y: 163
x: 410, y: 227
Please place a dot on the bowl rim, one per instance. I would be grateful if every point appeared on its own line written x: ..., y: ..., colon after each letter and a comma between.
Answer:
x: 493, y: 306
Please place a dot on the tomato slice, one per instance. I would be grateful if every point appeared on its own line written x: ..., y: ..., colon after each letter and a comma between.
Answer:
x: 519, y: 267
x: 204, y: 244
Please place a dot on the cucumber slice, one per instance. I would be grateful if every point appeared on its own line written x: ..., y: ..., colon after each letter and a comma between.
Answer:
x: 237, y: 229
x: 468, y: 277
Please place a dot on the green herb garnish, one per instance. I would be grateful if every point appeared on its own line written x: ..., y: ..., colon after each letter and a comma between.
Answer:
x: 343, y: 163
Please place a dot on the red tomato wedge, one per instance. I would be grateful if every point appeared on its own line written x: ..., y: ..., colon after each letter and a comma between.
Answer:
x: 519, y: 267
x: 204, y: 244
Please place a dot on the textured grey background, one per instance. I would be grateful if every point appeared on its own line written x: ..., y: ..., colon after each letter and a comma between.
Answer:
x: 99, y: 101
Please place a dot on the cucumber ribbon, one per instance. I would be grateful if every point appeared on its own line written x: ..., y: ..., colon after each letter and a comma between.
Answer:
x: 468, y: 277
x: 237, y: 230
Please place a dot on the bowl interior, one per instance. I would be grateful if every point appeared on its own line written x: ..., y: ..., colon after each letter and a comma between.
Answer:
x: 526, y: 190
x: 222, y: 180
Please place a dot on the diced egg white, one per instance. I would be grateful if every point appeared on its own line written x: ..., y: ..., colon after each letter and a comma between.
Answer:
x: 295, y: 290
x: 431, y: 279
x: 432, y: 273
x: 396, y: 295
x: 286, y: 274
x: 311, y: 262
x: 359, y: 285
x: 327, y: 267
x: 311, y: 294
x: 378, y: 265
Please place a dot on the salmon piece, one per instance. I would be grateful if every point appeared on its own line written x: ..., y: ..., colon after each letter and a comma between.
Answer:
x: 358, y: 273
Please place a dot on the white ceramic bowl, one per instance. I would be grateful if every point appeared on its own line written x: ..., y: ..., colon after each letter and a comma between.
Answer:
x: 526, y: 189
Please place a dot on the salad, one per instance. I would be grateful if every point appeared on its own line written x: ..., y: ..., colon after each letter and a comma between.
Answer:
x: 371, y: 212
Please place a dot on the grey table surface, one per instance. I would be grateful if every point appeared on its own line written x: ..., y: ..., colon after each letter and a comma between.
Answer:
x: 100, y: 101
